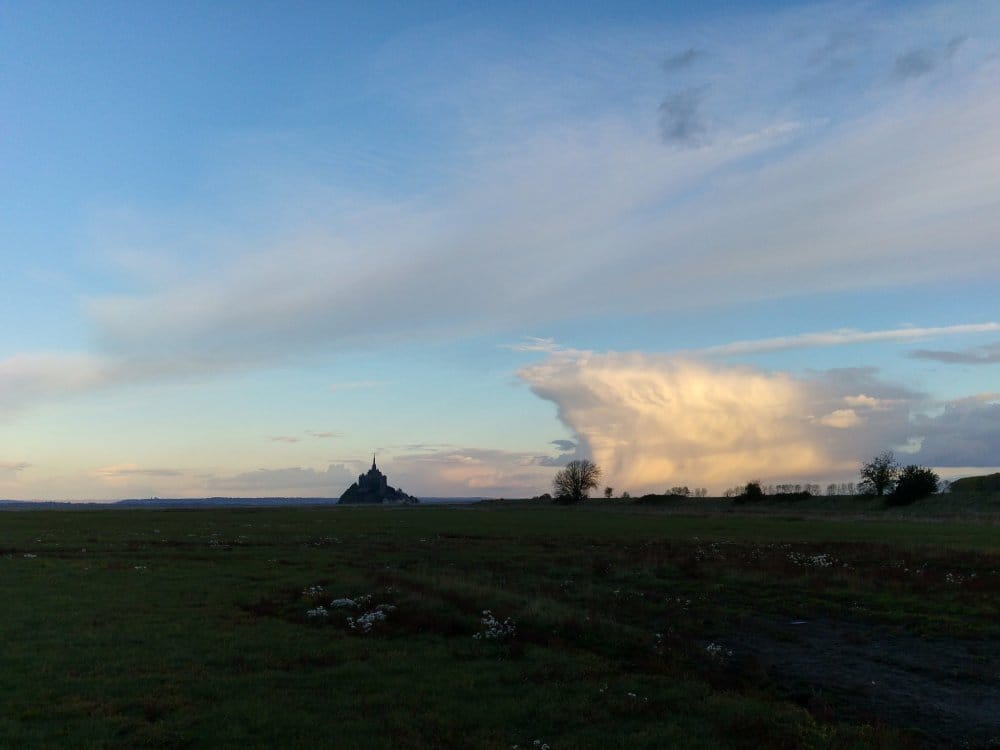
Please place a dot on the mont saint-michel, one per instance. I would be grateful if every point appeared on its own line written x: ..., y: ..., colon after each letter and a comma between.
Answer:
x: 373, y: 488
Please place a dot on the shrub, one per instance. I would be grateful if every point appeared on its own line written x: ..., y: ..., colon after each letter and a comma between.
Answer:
x: 914, y: 482
x: 752, y: 492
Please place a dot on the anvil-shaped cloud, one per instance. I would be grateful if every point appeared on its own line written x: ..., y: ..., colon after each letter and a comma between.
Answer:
x: 653, y: 420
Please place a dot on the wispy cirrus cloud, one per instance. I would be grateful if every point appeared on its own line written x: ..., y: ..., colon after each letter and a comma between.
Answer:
x: 844, y: 337
x: 759, y: 210
x: 535, y: 344
x: 125, y: 471
x: 571, y: 205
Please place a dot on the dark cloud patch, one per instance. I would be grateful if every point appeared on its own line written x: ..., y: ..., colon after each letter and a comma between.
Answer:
x: 564, y: 446
x: 967, y: 433
x: 954, y: 45
x: 14, y: 466
x: 914, y: 64
x: 839, y: 47
x: 683, y: 60
x: 681, y: 118
x: 921, y: 61
x: 555, y: 461
x: 982, y: 355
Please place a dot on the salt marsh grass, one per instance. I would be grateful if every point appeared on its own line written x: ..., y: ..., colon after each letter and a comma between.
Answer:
x: 603, y: 628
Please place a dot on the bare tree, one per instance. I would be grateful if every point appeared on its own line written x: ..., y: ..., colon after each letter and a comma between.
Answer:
x: 879, y: 475
x: 608, y: 492
x: 573, y: 483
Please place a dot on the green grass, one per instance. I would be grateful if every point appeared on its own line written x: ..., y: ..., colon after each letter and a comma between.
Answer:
x: 189, y: 628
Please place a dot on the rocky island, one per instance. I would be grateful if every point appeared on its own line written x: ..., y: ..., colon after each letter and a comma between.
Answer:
x: 372, y: 488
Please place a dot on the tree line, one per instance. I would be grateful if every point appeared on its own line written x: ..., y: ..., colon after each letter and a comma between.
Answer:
x: 881, y: 477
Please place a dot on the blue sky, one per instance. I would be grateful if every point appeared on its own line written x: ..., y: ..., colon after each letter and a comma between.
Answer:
x: 245, y: 245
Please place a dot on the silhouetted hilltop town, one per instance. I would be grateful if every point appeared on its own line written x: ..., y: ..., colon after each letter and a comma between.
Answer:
x: 373, y: 488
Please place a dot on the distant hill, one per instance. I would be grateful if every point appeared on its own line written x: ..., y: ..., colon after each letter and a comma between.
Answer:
x: 200, y: 502
x: 984, y: 483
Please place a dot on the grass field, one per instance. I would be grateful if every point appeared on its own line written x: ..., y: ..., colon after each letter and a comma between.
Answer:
x: 616, y: 627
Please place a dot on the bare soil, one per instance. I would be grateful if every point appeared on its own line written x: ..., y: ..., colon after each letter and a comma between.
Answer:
x: 946, y: 688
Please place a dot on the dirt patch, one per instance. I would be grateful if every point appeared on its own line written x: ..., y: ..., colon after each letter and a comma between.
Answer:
x: 947, y: 688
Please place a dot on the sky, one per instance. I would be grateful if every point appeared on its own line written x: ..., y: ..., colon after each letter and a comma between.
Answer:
x: 245, y: 245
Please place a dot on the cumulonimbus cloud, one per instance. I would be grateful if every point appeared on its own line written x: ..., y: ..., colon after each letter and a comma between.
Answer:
x: 656, y: 420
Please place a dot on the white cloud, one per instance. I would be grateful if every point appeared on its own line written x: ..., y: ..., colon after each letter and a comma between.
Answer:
x: 844, y: 337
x: 562, y: 201
x: 472, y: 471
x: 842, y: 419
x: 656, y: 420
x: 579, y: 209
x: 126, y: 471
x: 864, y: 401
x: 535, y: 344
x: 284, y: 482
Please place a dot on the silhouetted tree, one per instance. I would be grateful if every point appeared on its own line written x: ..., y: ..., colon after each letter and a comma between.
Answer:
x: 879, y: 474
x: 573, y: 483
x: 608, y: 492
x: 682, y: 491
x: 914, y: 482
x: 752, y: 492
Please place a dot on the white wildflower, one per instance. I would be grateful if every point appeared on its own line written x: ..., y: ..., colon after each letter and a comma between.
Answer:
x: 494, y: 629
x: 718, y: 652
x: 822, y: 560
x: 367, y: 621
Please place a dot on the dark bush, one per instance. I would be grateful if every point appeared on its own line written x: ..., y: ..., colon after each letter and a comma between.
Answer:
x: 791, y: 496
x: 914, y: 482
x: 752, y: 493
